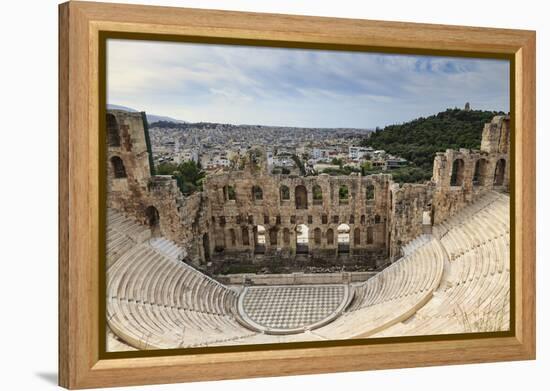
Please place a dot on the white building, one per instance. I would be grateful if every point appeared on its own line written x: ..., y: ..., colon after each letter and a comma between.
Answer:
x: 357, y: 153
x: 324, y: 153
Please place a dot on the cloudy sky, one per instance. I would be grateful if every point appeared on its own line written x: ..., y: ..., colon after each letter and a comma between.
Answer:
x: 296, y: 87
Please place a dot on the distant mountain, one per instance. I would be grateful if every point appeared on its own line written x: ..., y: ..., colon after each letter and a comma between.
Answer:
x: 150, y: 117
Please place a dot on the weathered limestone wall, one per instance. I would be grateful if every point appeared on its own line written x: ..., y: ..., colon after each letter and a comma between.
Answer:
x: 235, y: 222
x: 461, y: 176
x: 295, y: 278
x: 408, y: 205
x: 224, y: 223
x: 496, y: 136
x: 181, y: 219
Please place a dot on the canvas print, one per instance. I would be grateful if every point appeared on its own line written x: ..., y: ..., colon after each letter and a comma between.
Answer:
x: 260, y: 195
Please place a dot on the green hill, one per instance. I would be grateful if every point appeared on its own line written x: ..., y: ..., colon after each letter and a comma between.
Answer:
x: 418, y: 140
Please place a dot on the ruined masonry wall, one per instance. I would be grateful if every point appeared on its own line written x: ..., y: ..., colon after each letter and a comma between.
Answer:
x: 181, y: 219
x: 213, y: 227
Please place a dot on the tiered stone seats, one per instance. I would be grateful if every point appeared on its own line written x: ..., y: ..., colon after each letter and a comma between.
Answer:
x: 414, y: 244
x: 456, y: 280
x: 122, y: 234
x: 474, y: 293
x: 392, y: 295
x: 158, y: 302
x: 168, y: 248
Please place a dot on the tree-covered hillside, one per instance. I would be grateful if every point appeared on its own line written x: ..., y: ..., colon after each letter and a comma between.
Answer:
x: 418, y: 140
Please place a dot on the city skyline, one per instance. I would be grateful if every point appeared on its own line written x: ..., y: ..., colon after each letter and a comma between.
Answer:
x: 296, y: 87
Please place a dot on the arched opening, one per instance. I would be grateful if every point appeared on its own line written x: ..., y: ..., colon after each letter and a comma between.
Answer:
x: 119, y: 170
x: 499, y: 173
x: 206, y: 247
x: 376, y: 219
x: 259, y: 239
x: 300, y: 197
x: 330, y: 236
x: 317, y: 236
x: 317, y: 195
x: 285, y: 193
x: 273, y: 233
x: 480, y: 172
x: 152, y: 217
x: 343, y: 238
x: 232, y: 237
x: 356, y: 237
x: 370, y: 235
x: 457, y: 176
x: 257, y: 193
x: 286, y: 236
x: 426, y: 217
x: 343, y: 194
x: 229, y: 193
x: 369, y: 192
x: 244, y: 236
x: 363, y: 219
x: 113, y: 135
x: 302, y: 239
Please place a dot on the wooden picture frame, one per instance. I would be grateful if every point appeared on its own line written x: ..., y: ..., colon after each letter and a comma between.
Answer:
x: 81, y: 363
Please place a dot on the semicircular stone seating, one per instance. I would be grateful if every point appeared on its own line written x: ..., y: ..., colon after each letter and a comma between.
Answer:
x: 474, y: 294
x: 456, y: 280
x: 391, y: 295
x: 122, y: 234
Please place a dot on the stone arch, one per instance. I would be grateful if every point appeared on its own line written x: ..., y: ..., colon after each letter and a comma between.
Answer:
x: 369, y: 192
x: 229, y: 193
x: 457, y: 175
x: 206, y: 247
x: 343, y: 238
x: 317, y: 195
x: 232, y: 237
x: 363, y: 219
x: 259, y: 239
x: 273, y: 233
x: 427, y: 217
x: 500, y: 170
x: 286, y: 236
x: 317, y: 236
x: 284, y: 192
x: 330, y: 236
x: 113, y: 131
x: 480, y: 172
x: 377, y: 219
x: 370, y: 235
x: 302, y: 239
x: 300, y: 197
x: 343, y: 194
x: 244, y: 236
x: 117, y: 164
x: 356, y: 237
x: 257, y: 193
x: 152, y: 217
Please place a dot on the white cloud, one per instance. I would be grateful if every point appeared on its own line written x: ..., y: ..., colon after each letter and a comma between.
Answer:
x: 296, y: 87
